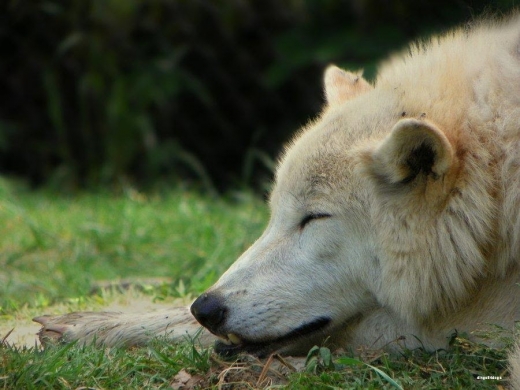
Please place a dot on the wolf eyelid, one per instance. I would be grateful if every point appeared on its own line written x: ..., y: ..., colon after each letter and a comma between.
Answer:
x: 311, y: 217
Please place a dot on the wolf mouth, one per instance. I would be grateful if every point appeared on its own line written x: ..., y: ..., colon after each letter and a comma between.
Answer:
x: 262, y: 348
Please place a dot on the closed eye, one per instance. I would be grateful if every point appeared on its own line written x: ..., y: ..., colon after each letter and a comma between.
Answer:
x: 310, y: 217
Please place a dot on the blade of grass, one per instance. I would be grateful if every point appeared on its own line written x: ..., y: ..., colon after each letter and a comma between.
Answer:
x: 355, y: 362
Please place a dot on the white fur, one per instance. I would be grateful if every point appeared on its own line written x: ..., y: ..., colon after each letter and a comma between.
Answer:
x: 428, y: 254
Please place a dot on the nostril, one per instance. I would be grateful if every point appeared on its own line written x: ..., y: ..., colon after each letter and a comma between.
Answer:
x: 209, y: 310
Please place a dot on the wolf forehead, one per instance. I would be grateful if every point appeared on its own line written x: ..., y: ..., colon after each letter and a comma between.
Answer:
x: 323, y: 156
x: 324, y: 169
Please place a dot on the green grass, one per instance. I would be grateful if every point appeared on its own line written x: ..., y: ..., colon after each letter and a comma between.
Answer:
x: 54, y: 248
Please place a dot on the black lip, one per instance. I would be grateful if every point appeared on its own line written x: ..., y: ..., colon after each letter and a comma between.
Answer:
x: 262, y: 348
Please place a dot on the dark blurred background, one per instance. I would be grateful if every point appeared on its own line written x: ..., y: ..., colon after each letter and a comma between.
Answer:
x: 103, y: 92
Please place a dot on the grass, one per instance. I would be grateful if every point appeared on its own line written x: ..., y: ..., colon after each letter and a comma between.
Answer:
x: 55, y: 248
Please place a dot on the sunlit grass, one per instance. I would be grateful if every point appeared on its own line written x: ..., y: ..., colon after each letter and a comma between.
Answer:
x: 55, y: 247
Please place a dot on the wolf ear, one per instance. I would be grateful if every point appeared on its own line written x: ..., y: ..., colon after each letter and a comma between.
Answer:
x: 414, y: 147
x: 341, y: 85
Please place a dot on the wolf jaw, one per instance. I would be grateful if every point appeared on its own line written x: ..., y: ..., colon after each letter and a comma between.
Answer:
x: 232, y: 344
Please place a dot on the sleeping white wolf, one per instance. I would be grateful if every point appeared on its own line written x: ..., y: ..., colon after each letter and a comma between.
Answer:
x: 394, y: 215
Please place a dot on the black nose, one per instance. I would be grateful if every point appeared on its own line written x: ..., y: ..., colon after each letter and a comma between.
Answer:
x: 209, y: 310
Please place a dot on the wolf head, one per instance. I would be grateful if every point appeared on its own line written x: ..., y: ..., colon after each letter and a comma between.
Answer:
x: 369, y: 209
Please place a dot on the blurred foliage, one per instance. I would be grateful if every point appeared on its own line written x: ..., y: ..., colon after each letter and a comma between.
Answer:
x: 98, y: 91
